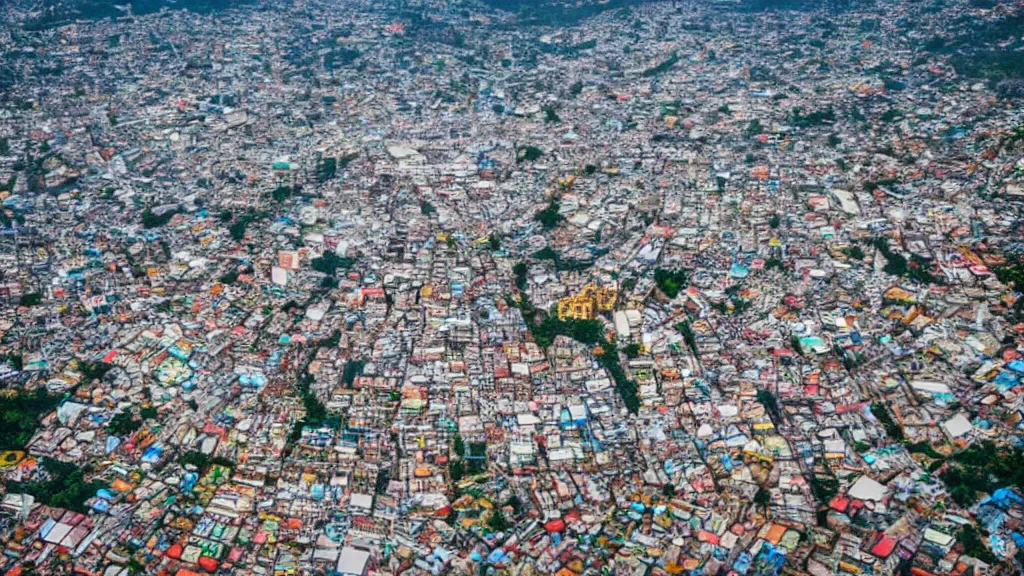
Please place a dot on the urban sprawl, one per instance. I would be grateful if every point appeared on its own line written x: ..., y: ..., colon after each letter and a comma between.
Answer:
x: 512, y: 288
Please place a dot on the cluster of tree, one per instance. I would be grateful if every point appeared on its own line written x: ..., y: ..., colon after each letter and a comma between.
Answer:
x: 800, y: 5
x: 824, y: 488
x: 316, y: 413
x: 569, y: 264
x: 550, y: 217
x: 732, y: 303
x: 54, y: 13
x: 982, y: 468
x: 545, y: 327
x: 200, y: 461
x: 567, y: 50
x: 30, y: 299
x: 520, y: 270
x: 892, y: 428
x: 123, y: 424
x: 229, y: 277
x: 816, y: 118
x: 916, y: 268
x: 353, y: 369
x: 528, y: 154
x: 63, y: 486
x: 854, y: 252
x: 19, y: 416
x: 284, y: 192
x: 16, y: 361
x: 1012, y: 272
x: 93, y: 370
x: 329, y: 263
x: 969, y: 538
x: 670, y: 282
x: 662, y: 66
x: 238, y: 227
x: 872, y: 185
x: 689, y: 337
x: 980, y: 48
x: 327, y: 168
x: 152, y: 220
x: 467, y: 461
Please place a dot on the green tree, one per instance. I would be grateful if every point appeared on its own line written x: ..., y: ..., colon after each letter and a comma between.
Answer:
x: 497, y: 522
x: 550, y: 217
x: 30, y: 299
x: 123, y: 424
x: 528, y: 154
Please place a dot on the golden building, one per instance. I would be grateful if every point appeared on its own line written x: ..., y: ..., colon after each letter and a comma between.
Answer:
x: 588, y: 303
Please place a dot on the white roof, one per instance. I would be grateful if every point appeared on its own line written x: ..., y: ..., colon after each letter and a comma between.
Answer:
x: 527, y: 419
x: 57, y: 533
x: 362, y: 501
x: 957, y: 426
x: 867, y: 489
x: 353, y: 561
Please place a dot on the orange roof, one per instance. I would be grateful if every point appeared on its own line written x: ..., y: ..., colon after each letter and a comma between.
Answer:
x: 775, y: 533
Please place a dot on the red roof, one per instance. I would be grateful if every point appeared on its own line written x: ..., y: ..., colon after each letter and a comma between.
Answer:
x: 839, y: 504
x: 884, y: 547
x: 556, y: 525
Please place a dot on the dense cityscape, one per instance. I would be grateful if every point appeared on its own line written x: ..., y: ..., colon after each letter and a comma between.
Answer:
x: 697, y: 287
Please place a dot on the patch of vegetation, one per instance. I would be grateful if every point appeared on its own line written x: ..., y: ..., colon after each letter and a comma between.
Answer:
x: 896, y: 264
x: 353, y: 369
x: 20, y: 413
x: 282, y: 193
x: 983, y: 468
x: 670, y: 282
x: 528, y: 154
x: 689, y: 337
x: 153, y: 220
x: 854, y: 252
x: 520, y: 270
x: 30, y: 299
x: 662, y: 66
x: 92, y: 370
x: 329, y: 263
x: 239, y: 226
x: 550, y: 217
x: 123, y: 424
x: 973, y: 545
x: 892, y: 428
x: 64, y: 486
x: 823, y: 117
x: 570, y: 264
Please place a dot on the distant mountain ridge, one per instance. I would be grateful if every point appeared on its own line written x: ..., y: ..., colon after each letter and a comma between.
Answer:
x: 59, y: 12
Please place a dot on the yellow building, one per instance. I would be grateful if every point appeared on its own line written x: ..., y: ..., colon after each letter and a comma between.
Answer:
x: 588, y: 303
